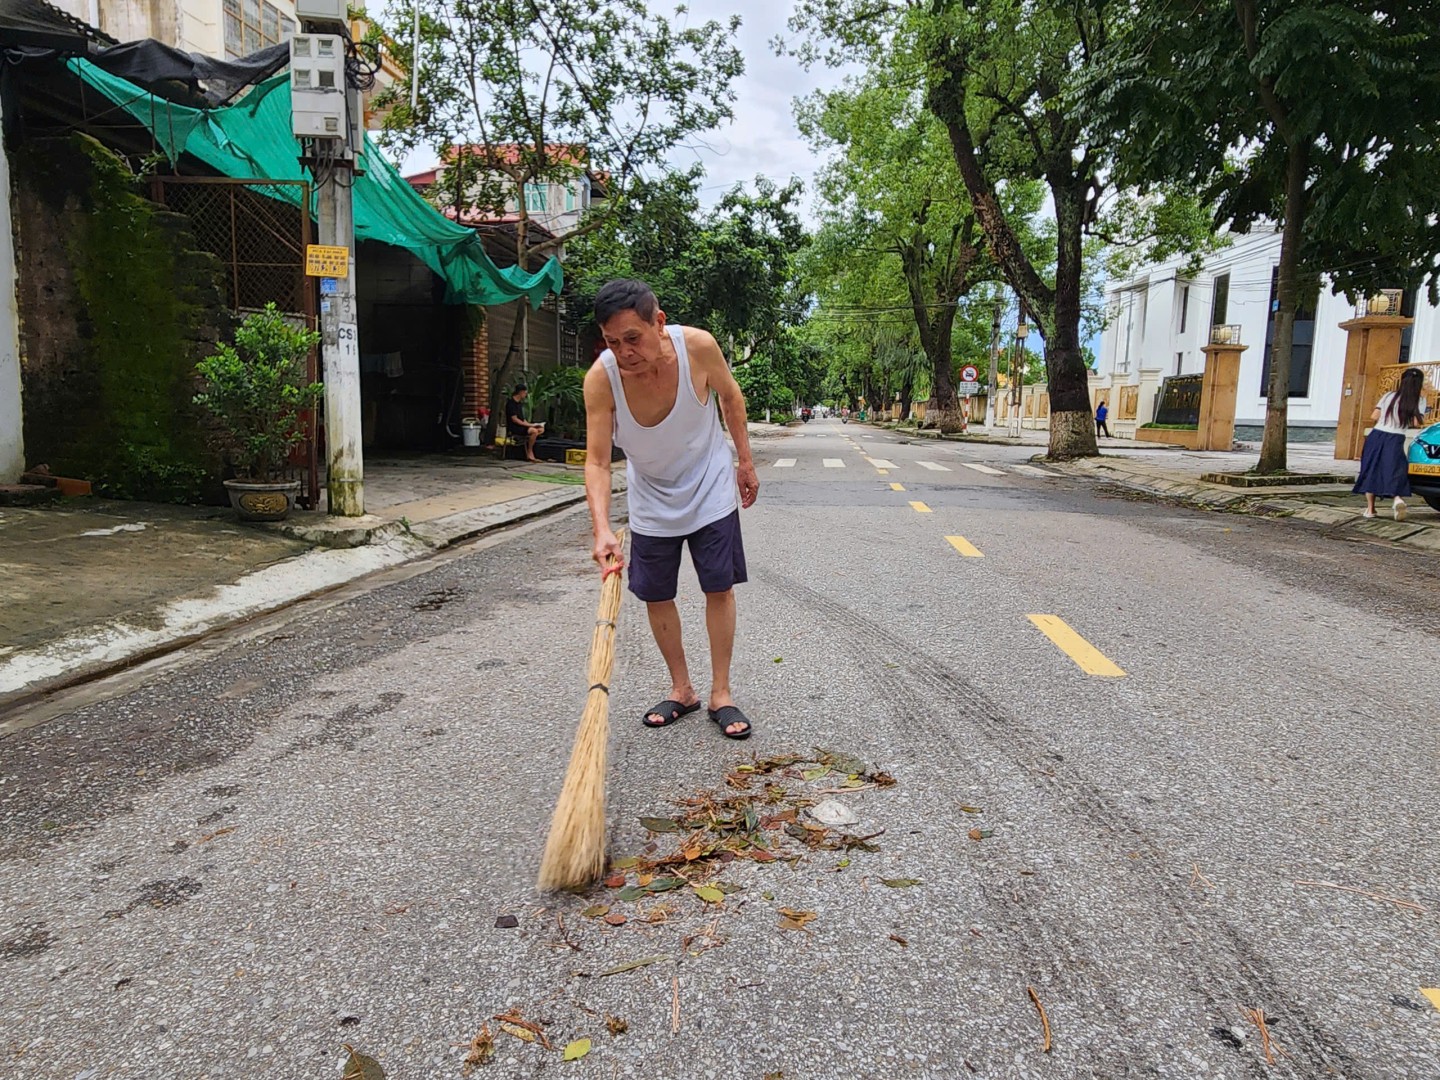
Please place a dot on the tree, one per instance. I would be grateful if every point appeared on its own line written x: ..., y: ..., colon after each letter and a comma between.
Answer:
x: 730, y: 270
x: 518, y: 93
x: 1003, y: 77
x: 1315, y: 115
x: 893, y: 194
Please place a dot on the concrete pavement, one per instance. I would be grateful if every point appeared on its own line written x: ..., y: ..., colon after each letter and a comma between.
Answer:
x: 318, y: 833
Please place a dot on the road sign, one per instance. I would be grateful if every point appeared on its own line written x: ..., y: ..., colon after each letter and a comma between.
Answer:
x: 969, y: 387
x: 969, y: 373
x: 324, y: 261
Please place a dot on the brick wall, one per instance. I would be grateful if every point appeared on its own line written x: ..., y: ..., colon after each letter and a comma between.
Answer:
x: 475, y: 360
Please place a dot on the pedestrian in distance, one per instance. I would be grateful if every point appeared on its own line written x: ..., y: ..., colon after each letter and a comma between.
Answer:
x: 1102, y: 414
x: 1383, y: 468
x: 516, y: 426
x: 659, y: 392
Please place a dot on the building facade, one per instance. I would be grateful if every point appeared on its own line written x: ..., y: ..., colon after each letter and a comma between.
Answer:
x: 1159, y: 319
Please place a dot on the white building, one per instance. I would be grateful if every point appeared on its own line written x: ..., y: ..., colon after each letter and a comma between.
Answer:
x: 1159, y: 320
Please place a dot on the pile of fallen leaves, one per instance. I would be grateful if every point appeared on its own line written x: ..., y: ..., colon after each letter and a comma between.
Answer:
x: 758, y: 816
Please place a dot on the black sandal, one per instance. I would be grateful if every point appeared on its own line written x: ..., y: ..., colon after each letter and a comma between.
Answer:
x: 727, y: 715
x: 668, y: 712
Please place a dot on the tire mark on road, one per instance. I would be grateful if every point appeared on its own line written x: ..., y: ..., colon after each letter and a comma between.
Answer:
x: 1227, y: 972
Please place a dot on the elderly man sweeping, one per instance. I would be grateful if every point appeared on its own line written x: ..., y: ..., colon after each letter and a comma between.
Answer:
x: 653, y: 393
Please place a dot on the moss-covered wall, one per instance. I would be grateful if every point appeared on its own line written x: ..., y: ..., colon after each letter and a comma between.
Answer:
x: 116, y: 308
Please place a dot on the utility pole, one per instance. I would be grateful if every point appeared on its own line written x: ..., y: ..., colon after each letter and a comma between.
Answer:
x: 990, y: 401
x: 326, y: 111
x: 1017, y: 370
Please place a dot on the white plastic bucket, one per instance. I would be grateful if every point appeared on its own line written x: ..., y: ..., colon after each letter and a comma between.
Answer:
x: 470, y: 432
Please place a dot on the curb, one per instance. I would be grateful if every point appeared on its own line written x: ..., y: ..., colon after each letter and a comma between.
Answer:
x: 98, y: 651
x: 1261, y: 504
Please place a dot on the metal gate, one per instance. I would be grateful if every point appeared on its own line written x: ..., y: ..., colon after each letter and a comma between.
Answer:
x: 259, y: 230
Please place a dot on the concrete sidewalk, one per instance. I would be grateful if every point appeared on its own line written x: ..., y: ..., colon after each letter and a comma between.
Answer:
x: 1178, y: 475
x: 89, y: 585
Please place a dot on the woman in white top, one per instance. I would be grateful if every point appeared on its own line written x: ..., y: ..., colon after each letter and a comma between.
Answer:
x: 1383, y: 469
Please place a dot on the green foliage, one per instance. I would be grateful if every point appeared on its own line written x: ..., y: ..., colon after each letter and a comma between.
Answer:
x: 763, y: 389
x: 256, y: 389
x: 892, y: 196
x: 729, y: 270
x: 110, y: 374
x: 541, y: 91
x: 560, y: 392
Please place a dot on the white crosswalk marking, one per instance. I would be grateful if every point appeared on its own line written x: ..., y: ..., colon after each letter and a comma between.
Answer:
x: 986, y: 469
x: 932, y: 466
x: 867, y: 436
x: 1031, y: 470
x: 785, y: 463
x: 834, y: 463
x: 881, y: 463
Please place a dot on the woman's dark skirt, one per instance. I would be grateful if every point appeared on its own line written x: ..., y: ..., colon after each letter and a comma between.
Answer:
x: 1383, y: 469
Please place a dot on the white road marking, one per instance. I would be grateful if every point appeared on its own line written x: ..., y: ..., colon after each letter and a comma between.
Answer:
x: 785, y: 463
x: 932, y: 466
x: 834, y: 463
x: 986, y: 469
x: 881, y: 463
x: 1031, y: 470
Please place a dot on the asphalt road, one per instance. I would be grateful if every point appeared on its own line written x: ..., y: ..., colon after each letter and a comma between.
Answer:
x: 1123, y: 737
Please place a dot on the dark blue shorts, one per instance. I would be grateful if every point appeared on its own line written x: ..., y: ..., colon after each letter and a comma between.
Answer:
x: 716, y: 550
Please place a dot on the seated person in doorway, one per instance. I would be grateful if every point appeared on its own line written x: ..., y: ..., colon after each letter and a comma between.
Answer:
x: 516, y: 426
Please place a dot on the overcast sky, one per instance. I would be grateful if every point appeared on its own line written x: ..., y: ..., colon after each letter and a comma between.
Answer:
x: 763, y: 138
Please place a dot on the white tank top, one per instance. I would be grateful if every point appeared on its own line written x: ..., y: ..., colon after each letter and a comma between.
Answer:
x: 680, y: 471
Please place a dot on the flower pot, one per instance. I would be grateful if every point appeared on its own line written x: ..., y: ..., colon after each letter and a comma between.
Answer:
x: 262, y: 502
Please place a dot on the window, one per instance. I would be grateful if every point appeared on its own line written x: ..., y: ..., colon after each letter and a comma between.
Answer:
x: 536, y: 198
x: 1221, y: 306
x: 1179, y: 362
x: 1184, y: 306
x: 1303, y: 340
x: 569, y: 197
x: 250, y: 25
x: 1407, y: 308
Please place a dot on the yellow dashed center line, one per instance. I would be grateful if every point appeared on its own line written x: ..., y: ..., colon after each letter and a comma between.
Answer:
x: 920, y: 508
x: 964, y: 547
x: 896, y: 487
x: 1088, y: 658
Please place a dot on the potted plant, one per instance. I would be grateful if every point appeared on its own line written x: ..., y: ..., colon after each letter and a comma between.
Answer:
x: 257, y: 391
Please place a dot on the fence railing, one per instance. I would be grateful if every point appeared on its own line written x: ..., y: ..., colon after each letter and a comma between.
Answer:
x: 1389, y: 379
x: 259, y: 230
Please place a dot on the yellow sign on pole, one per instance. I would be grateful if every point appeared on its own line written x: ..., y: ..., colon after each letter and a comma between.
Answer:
x: 324, y: 261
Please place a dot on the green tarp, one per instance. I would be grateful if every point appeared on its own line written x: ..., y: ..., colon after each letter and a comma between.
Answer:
x: 251, y: 140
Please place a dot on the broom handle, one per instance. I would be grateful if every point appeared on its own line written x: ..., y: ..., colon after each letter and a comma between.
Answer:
x: 602, y: 643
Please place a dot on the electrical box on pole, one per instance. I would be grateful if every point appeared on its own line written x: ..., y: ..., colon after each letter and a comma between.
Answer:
x: 317, y: 87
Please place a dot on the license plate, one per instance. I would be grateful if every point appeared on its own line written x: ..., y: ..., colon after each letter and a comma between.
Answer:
x: 1425, y: 470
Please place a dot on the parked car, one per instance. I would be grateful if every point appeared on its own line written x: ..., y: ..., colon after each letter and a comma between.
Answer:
x: 1425, y: 465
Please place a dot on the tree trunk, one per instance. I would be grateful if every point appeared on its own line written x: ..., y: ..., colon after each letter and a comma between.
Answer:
x: 1277, y: 406
x: 1072, y: 425
x: 944, y: 410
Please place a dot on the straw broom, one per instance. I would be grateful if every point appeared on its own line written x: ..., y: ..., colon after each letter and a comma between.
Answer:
x: 575, y: 851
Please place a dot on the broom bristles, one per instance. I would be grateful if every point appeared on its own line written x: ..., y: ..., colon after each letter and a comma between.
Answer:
x: 575, y: 849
